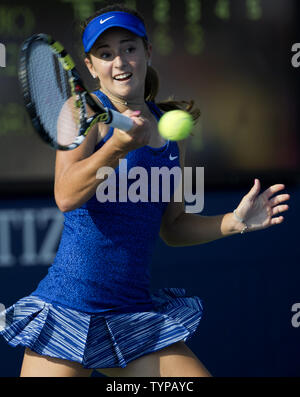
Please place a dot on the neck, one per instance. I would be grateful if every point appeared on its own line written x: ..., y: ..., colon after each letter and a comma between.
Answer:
x: 121, y: 104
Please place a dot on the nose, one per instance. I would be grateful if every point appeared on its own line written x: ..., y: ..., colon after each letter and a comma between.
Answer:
x: 120, y: 61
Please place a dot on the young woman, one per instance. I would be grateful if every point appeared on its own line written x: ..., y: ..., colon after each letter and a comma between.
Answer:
x: 93, y: 310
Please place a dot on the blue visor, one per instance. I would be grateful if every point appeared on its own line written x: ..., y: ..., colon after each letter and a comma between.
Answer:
x: 109, y: 20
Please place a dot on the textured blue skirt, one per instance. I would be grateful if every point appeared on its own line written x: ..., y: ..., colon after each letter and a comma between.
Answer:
x: 101, y: 340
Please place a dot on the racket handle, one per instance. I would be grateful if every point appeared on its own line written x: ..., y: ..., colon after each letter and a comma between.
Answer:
x: 118, y: 120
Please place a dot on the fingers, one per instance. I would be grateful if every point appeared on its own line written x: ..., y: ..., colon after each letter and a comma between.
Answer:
x: 272, y: 190
x: 276, y: 205
x: 134, y: 115
x: 254, y: 190
x: 279, y: 208
x: 139, y: 120
x: 277, y: 220
x: 129, y: 113
x: 279, y: 199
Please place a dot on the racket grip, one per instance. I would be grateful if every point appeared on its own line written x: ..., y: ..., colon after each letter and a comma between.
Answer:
x: 120, y: 121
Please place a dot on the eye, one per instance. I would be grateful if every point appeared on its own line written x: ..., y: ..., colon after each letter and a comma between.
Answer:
x: 105, y: 55
x: 130, y: 50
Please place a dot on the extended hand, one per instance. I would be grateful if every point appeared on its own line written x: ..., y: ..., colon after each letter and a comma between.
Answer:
x: 258, y: 210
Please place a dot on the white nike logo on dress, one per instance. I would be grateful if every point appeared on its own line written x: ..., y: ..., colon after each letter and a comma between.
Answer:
x: 104, y: 20
x: 172, y: 158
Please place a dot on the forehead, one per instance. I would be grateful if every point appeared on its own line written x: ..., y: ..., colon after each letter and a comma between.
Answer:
x: 115, y: 35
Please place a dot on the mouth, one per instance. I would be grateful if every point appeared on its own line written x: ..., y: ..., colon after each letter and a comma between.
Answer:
x: 123, y: 77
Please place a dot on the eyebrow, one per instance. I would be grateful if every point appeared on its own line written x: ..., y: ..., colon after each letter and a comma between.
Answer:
x: 121, y: 42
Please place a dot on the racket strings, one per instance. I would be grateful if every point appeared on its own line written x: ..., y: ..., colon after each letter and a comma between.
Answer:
x: 50, y: 90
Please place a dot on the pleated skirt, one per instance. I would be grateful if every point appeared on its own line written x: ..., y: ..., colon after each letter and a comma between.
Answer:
x: 101, y: 340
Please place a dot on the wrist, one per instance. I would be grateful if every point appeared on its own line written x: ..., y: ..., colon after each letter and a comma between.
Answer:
x: 238, y: 223
x: 230, y: 225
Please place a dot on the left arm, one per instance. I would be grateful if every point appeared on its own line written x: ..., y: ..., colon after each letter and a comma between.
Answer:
x: 192, y: 229
x: 179, y: 228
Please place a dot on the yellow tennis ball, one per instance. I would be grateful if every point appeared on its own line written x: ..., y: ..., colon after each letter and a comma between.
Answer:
x: 175, y: 125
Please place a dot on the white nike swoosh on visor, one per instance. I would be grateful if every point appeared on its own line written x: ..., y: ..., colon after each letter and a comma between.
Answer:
x: 172, y: 158
x: 104, y: 20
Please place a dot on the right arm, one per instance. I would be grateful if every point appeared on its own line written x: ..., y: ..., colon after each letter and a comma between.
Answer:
x: 75, y: 170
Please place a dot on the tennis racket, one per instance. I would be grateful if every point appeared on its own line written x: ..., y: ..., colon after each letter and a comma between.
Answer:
x: 56, y: 98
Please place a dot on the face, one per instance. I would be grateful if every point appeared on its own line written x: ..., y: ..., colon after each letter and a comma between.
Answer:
x: 120, y: 59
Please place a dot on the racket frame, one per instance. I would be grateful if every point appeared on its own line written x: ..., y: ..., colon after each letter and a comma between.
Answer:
x: 103, y: 114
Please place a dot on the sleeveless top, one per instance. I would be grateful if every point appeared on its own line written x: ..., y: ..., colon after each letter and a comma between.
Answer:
x: 102, y: 262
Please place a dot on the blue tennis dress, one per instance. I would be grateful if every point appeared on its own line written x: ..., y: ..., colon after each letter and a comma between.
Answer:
x: 94, y: 306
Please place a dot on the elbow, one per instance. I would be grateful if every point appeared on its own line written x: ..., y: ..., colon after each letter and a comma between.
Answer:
x: 64, y: 200
x: 172, y: 243
x: 167, y: 238
x: 65, y: 204
x: 163, y: 238
x: 170, y: 232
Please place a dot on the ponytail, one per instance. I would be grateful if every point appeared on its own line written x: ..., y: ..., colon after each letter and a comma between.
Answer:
x: 151, y: 91
x: 151, y: 84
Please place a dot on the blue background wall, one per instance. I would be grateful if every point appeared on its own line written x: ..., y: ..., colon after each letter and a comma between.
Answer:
x: 248, y: 284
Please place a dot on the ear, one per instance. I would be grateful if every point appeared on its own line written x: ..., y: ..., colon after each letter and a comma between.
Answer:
x: 90, y: 67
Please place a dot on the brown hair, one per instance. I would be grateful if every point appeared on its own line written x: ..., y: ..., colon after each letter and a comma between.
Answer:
x: 152, y: 79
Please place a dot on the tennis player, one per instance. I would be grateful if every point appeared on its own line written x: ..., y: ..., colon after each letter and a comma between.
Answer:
x: 93, y: 310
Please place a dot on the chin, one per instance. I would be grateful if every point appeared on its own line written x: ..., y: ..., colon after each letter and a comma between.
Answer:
x: 126, y: 93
